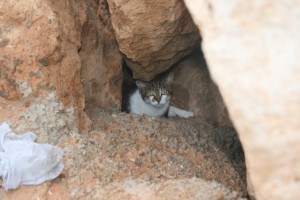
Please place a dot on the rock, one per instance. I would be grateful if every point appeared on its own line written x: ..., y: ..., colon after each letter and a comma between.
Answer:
x: 39, y: 44
x: 48, y: 118
x: 252, y: 49
x: 125, y: 156
x: 39, y: 51
x: 178, y: 189
x: 194, y: 90
x: 152, y: 35
x: 101, y: 70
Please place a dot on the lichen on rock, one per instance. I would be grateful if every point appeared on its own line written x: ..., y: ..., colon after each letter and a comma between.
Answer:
x: 49, y: 119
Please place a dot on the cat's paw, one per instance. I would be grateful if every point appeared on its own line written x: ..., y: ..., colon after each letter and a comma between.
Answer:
x: 187, y: 114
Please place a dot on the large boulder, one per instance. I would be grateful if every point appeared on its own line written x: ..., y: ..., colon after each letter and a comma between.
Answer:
x: 152, y: 35
x: 252, y: 49
x: 129, y: 157
x: 39, y: 42
x: 67, y: 47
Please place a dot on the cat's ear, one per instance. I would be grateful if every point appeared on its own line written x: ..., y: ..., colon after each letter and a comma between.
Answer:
x: 169, y: 78
x: 140, y: 84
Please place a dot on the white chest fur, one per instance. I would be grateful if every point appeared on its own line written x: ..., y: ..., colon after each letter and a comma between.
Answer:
x: 138, y: 106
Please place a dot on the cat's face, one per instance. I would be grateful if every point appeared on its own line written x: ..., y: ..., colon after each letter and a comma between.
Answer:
x: 156, y: 92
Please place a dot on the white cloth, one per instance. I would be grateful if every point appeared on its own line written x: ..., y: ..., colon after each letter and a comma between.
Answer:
x: 24, y: 162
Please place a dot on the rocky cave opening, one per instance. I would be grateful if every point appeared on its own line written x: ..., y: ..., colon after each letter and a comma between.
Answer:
x: 147, y: 148
x: 83, y: 67
x: 193, y: 89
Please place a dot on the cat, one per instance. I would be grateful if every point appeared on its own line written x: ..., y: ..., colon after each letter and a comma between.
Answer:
x: 153, y: 99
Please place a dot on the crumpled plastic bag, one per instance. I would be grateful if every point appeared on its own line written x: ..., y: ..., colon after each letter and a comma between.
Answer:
x: 24, y: 162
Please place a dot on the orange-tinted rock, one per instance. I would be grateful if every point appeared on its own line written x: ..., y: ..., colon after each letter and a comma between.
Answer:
x: 39, y: 44
x: 41, y: 50
x: 153, y: 35
x: 101, y: 71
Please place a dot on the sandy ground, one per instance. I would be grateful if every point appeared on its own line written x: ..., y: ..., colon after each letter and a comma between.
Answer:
x: 126, y: 156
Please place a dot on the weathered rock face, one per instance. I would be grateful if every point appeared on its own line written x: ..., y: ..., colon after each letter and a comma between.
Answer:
x: 101, y: 70
x: 39, y: 44
x: 194, y: 90
x: 152, y: 35
x: 252, y: 49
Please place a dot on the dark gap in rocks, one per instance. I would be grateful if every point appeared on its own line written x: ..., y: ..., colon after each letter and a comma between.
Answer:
x: 128, y: 86
x: 194, y: 90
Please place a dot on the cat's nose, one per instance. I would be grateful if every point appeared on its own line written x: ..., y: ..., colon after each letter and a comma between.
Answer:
x: 157, y: 98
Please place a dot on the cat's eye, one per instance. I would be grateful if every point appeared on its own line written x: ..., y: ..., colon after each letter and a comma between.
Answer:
x: 164, y: 92
x: 150, y: 94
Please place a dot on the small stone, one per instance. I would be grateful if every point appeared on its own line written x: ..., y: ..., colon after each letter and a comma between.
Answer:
x: 220, y: 196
